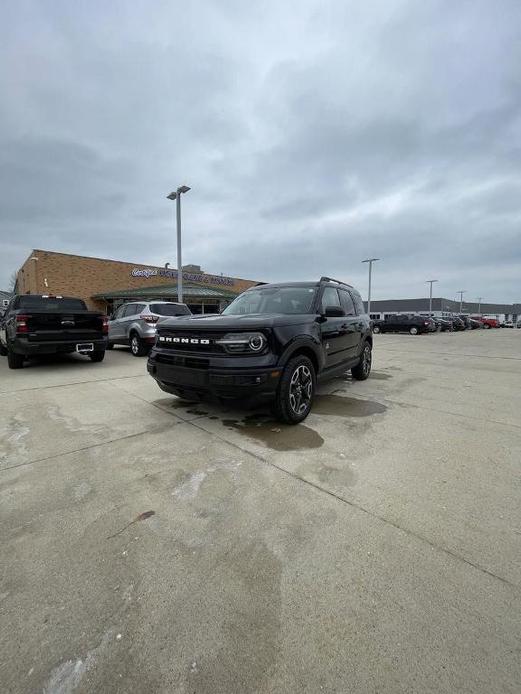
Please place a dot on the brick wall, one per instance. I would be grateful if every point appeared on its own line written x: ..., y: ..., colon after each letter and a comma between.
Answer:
x: 79, y: 276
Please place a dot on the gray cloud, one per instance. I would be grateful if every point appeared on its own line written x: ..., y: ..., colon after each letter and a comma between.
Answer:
x: 312, y: 135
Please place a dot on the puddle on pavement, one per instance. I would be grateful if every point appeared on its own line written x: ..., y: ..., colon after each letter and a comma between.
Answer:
x: 278, y: 437
x: 346, y: 407
x: 196, y: 411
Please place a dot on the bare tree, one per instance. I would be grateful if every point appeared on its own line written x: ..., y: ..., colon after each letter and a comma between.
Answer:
x: 12, y: 281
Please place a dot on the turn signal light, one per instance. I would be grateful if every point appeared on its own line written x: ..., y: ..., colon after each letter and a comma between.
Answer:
x: 105, y: 326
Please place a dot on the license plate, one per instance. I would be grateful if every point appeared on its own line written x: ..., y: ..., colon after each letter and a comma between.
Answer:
x: 85, y: 347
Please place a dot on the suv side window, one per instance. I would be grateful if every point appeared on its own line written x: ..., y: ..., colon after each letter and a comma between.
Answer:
x: 347, y: 302
x: 139, y: 307
x: 330, y: 298
x: 129, y: 310
x: 359, y: 304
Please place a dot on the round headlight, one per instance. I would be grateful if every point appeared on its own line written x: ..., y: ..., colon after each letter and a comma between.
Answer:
x: 256, y: 343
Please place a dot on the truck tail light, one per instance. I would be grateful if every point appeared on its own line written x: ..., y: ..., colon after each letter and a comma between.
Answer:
x: 21, y: 324
x: 149, y: 318
x: 105, y: 325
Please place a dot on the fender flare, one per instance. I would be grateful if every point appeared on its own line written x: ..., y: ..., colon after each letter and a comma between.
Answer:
x: 306, y: 343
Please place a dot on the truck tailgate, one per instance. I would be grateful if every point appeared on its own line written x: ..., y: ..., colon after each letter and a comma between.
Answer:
x: 79, y: 325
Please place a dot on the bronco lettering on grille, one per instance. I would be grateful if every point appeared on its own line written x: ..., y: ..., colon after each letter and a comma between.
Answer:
x: 184, y: 340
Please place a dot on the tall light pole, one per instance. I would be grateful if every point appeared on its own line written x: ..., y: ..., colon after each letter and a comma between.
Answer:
x: 461, y: 292
x: 480, y: 299
x: 430, y: 295
x: 370, y: 261
x: 176, y: 195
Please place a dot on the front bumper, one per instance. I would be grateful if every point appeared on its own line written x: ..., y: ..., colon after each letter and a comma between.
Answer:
x: 211, y: 379
x: 28, y: 348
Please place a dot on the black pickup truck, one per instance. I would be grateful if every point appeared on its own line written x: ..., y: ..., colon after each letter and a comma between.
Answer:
x: 273, y: 342
x: 40, y: 324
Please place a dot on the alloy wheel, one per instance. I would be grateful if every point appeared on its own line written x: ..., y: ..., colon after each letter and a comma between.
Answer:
x: 300, y: 389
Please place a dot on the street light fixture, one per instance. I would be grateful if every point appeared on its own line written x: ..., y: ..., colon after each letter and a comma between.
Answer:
x: 430, y: 295
x: 370, y: 261
x: 461, y: 292
x: 176, y: 195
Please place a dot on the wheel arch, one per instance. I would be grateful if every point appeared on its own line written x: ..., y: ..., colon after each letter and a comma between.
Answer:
x: 305, y: 348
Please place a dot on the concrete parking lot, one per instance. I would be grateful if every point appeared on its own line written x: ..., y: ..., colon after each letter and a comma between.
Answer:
x: 152, y: 546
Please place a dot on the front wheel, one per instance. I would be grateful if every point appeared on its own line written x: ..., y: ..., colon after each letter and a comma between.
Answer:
x: 376, y: 329
x: 413, y: 330
x: 97, y: 356
x: 14, y: 360
x: 362, y: 370
x: 296, y: 391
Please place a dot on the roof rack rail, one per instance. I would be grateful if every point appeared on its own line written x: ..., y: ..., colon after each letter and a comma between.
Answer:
x: 331, y: 279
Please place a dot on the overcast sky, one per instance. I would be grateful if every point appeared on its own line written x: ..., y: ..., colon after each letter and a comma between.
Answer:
x: 314, y: 134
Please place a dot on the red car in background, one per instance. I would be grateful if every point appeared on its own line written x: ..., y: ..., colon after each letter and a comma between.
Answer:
x: 488, y: 322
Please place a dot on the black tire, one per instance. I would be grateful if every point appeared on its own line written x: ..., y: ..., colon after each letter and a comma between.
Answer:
x: 14, y: 360
x: 296, y: 391
x: 361, y: 371
x: 486, y: 326
x: 97, y: 356
x: 376, y: 329
x: 138, y: 348
x: 414, y: 330
x: 110, y: 345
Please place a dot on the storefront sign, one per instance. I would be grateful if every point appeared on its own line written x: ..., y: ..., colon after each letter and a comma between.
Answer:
x: 188, y: 276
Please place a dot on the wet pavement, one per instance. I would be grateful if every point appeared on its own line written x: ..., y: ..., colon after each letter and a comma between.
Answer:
x: 152, y: 545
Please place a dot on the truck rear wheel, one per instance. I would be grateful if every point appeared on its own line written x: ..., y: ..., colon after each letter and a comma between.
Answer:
x: 296, y: 391
x: 97, y: 356
x: 14, y: 360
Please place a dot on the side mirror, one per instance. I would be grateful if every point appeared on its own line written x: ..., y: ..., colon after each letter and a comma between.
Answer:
x: 334, y: 312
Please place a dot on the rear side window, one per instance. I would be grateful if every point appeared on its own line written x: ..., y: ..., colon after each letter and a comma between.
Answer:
x: 169, y: 310
x: 359, y: 304
x: 139, y: 307
x: 330, y: 298
x: 347, y: 302
x: 50, y: 303
x: 129, y: 310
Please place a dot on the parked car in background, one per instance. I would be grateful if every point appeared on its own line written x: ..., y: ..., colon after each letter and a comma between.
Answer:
x: 475, y: 324
x: 134, y: 324
x: 507, y: 324
x: 36, y: 324
x: 458, y: 323
x: 446, y: 324
x: 466, y: 320
x: 489, y: 323
x: 411, y: 323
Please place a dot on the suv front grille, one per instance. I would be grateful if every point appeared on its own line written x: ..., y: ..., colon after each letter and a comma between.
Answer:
x: 190, y: 341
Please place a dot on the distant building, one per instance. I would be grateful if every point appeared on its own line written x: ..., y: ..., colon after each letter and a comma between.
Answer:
x: 442, y: 307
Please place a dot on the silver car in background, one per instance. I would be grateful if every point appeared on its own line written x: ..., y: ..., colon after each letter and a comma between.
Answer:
x: 134, y: 324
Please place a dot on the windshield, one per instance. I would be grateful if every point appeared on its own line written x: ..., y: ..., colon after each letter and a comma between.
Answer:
x: 51, y: 303
x: 170, y: 310
x: 285, y: 300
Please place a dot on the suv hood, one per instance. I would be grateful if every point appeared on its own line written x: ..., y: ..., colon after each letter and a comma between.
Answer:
x: 251, y: 321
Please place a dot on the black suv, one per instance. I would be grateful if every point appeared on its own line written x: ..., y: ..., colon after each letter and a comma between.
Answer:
x: 273, y: 342
x: 411, y: 323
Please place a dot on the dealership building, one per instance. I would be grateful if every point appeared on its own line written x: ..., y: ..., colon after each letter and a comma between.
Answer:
x: 104, y: 284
